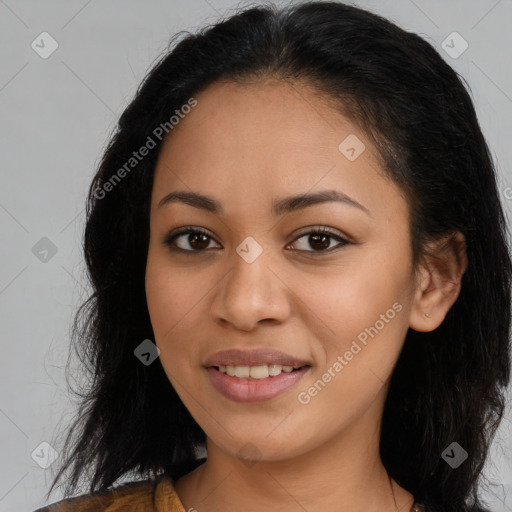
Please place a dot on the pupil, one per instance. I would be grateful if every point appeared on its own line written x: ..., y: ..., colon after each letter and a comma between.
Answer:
x: 193, y: 238
x: 317, y: 237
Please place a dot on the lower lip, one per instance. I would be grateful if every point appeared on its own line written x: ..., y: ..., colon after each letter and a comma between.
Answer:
x: 254, y: 390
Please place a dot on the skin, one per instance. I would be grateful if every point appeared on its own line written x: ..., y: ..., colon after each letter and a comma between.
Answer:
x: 247, y: 145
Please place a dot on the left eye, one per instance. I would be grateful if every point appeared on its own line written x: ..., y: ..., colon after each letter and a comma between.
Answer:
x: 319, y: 239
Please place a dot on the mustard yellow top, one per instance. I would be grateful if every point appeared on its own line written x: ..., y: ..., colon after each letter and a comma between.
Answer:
x: 144, y: 496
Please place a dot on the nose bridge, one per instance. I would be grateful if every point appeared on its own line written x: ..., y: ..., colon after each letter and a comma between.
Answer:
x: 250, y: 291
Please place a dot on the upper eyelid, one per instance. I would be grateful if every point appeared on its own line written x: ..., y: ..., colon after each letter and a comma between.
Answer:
x: 303, y: 231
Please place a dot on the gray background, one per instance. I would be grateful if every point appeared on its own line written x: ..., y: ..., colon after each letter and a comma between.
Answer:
x: 56, y: 116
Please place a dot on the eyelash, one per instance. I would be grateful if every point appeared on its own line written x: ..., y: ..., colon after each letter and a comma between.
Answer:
x: 171, y: 237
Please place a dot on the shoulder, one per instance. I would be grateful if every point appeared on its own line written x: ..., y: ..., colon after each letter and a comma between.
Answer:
x: 148, y: 495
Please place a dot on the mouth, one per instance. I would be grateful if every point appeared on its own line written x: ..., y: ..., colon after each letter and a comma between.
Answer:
x: 254, y: 375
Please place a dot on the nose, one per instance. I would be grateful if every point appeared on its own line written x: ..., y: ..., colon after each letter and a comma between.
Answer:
x: 250, y: 293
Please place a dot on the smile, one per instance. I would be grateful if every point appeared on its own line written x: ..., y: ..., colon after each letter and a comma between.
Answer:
x: 254, y: 383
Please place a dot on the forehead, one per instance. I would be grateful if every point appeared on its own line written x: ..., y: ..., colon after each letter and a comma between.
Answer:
x: 269, y: 138
x: 270, y: 114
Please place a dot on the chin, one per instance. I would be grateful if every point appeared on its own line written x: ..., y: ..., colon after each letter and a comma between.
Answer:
x: 259, y: 447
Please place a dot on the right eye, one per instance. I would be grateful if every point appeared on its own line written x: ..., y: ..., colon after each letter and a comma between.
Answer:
x: 196, y: 238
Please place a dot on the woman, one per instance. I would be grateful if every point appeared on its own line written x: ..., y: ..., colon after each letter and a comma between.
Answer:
x: 299, y: 263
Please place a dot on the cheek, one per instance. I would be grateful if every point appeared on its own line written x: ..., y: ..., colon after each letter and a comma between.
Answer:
x: 168, y: 302
x: 366, y: 312
x: 171, y: 292
x: 176, y: 299
x: 356, y: 300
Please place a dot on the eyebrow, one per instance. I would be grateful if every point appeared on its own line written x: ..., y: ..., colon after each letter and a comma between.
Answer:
x: 279, y: 207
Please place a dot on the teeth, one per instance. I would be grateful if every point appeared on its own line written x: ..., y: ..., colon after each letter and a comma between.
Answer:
x: 259, y: 372
x: 242, y: 372
x: 256, y: 372
x: 274, y: 369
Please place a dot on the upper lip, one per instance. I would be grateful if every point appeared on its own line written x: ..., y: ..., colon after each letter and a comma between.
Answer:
x: 240, y: 357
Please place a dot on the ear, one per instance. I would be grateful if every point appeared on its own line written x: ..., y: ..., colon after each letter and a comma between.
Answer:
x: 439, y: 279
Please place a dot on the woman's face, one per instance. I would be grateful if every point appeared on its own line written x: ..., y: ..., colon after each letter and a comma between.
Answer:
x: 261, y: 279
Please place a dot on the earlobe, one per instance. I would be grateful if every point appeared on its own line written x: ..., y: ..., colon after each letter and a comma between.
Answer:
x: 440, y: 282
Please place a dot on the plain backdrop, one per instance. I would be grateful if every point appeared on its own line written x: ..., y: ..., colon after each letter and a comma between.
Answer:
x: 56, y: 115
